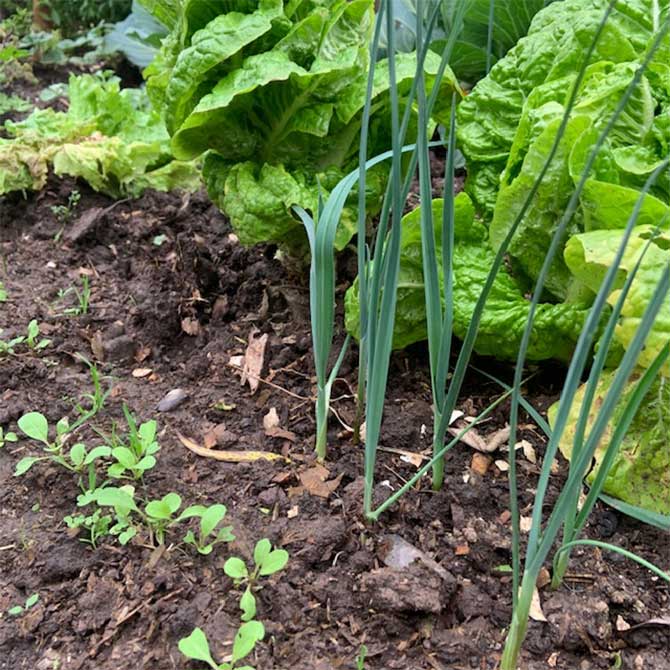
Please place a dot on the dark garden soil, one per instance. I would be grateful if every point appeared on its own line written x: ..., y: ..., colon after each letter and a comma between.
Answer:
x: 175, y: 300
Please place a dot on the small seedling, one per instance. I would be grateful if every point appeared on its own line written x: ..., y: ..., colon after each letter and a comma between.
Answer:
x: 7, y: 437
x: 77, y: 459
x: 18, y: 610
x: 83, y: 298
x: 135, y: 458
x: 360, y: 659
x: 97, y: 525
x: 32, y: 337
x: 3, y: 292
x: 96, y: 399
x: 267, y: 561
x: 210, y: 518
x: 64, y: 213
x: 196, y: 646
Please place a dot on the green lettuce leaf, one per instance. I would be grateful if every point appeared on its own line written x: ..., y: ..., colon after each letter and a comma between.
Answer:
x: 640, y: 474
x: 110, y: 137
x: 556, y: 328
x: 557, y: 40
x: 273, y: 93
x: 589, y: 255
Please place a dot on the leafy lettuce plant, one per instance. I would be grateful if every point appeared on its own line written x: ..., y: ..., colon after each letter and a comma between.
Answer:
x: 109, y: 137
x: 274, y: 92
x: 508, y: 124
x: 487, y: 30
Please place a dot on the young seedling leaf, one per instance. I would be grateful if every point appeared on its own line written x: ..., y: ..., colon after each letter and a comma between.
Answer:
x: 248, y: 634
x: 32, y: 600
x: 147, y: 432
x: 235, y: 568
x: 77, y: 454
x: 190, y: 512
x: 15, y: 611
x: 146, y: 463
x: 261, y: 550
x: 25, y: 464
x: 164, y: 508
x: 248, y: 605
x: 211, y: 518
x: 117, y: 498
x: 196, y: 647
x: 225, y: 534
x: 274, y: 562
x: 124, y: 456
x: 35, y: 426
x: 97, y: 452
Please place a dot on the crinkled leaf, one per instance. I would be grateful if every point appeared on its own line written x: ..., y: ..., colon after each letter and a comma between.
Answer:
x: 589, y: 256
x: 556, y: 327
x: 640, y: 474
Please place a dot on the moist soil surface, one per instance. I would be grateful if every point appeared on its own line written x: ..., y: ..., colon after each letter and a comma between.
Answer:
x: 175, y: 302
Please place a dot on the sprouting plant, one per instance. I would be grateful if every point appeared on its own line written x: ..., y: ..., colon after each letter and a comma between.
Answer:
x: 96, y: 399
x: 196, y: 646
x: 18, y: 610
x: 267, y: 561
x: 7, y: 437
x: 32, y: 337
x: 97, y: 524
x: 77, y: 459
x: 207, y: 536
x: 64, y: 212
x: 137, y: 456
x: 3, y: 292
x: 158, y: 516
x: 360, y: 659
x: 83, y: 298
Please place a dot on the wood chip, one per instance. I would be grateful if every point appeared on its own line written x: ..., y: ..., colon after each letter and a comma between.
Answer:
x: 138, y: 373
x: 543, y: 578
x: 525, y: 523
x: 480, y: 464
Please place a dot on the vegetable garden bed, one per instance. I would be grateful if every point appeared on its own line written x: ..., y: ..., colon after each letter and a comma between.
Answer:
x: 127, y: 607
x: 190, y: 472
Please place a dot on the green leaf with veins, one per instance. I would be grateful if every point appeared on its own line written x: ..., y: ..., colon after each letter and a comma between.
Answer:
x: 556, y: 328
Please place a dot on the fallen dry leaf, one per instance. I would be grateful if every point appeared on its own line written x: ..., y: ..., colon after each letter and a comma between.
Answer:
x: 314, y: 481
x: 141, y: 372
x: 472, y: 438
x: 142, y: 354
x: 272, y: 427
x: 525, y: 523
x: 536, y: 613
x: 543, y: 578
x: 254, y: 358
x: 622, y: 624
x: 529, y: 451
x: 503, y: 466
x: 462, y: 550
x: 228, y: 456
x: 293, y: 512
x: 190, y: 326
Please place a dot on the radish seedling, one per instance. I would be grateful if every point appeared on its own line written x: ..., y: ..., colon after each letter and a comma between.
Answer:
x: 196, y: 646
x: 210, y: 518
x: 30, y: 339
x: 18, y: 610
x: 7, y: 437
x: 267, y: 561
x: 135, y: 458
